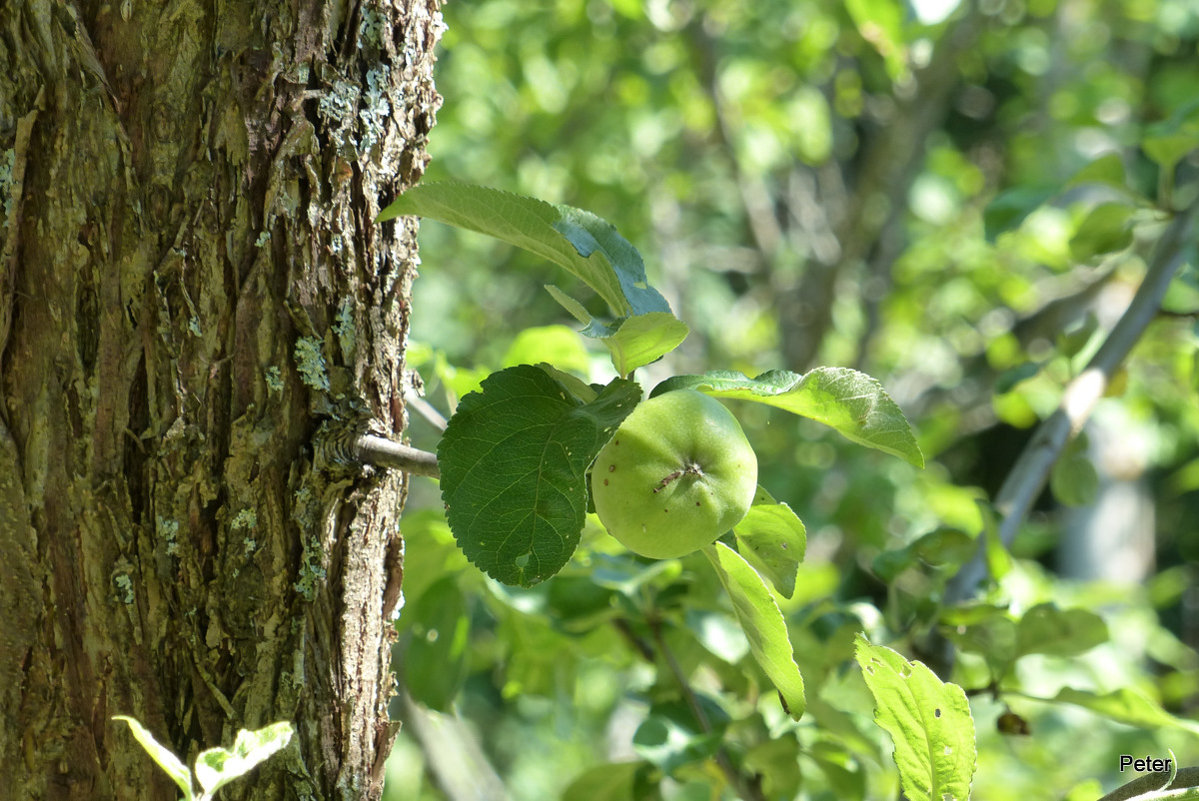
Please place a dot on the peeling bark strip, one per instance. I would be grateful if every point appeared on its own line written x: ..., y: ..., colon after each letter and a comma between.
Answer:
x: 190, y: 285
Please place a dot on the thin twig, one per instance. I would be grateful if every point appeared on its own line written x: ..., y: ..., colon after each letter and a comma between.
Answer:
x: 1028, y: 475
x: 425, y: 410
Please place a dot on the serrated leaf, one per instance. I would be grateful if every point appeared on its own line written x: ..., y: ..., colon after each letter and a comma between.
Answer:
x: 513, y: 465
x: 565, y: 235
x: 1125, y: 705
x: 762, y: 623
x: 1045, y: 629
x: 929, y: 722
x: 162, y: 755
x: 1106, y: 229
x: 435, y: 663
x: 852, y: 403
x: 216, y: 767
x: 772, y: 539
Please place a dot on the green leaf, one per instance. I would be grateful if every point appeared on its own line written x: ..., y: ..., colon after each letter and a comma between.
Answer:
x: 846, y: 400
x: 559, y: 345
x: 1045, y: 629
x: 1074, y: 480
x: 216, y: 767
x: 1107, y: 170
x: 762, y: 623
x: 1170, y: 141
x: 671, y: 737
x: 772, y: 539
x: 566, y: 236
x: 1011, y: 207
x: 165, y: 758
x: 944, y: 547
x: 637, y: 341
x: 983, y: 629
x: 614, y: 781
x: 928, y: 720
x: 880, y: 22
x: 633, y: 341
x: 1106, y: 229
x: 435, y: 663
x: 1125, y: 705
x: 513, y: 469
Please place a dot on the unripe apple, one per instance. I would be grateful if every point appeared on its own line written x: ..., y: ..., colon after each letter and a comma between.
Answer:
x: 678, y: 473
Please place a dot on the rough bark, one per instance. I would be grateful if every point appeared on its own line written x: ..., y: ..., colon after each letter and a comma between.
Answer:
x: 193, y: 298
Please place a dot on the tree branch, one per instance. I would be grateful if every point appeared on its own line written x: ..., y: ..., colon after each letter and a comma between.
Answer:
x: 1031, y: 470
x: 385, y: 453
x: 1151, y: 785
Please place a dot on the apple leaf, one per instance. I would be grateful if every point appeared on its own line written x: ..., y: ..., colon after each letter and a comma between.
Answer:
x: 1125, y: 705
x: 928, y: 720
x: 772, y: 538
x: 165, y: 758
x: 762, y: 623
x: 852, y: 403
x: 513, y: 469
x: 565, y: 235
x: 633, y: 341
x: 216, y: 767
x: 1045, y: 629
x: 435, y: 663
x: 1106, y: 229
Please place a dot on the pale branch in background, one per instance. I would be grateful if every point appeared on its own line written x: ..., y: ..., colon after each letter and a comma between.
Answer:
x: 1028, y: 475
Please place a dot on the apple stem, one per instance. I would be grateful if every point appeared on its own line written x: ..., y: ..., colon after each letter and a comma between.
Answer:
x: 690, y: 469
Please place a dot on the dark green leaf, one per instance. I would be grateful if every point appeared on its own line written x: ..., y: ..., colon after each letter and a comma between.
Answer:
x: 513, y: 469
x: 846, y: 400
x: 435, y: 664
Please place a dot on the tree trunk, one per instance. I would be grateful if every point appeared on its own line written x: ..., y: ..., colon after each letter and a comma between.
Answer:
x: 193, y: 298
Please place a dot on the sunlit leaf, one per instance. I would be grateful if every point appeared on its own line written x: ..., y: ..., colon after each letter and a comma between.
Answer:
x: 929, y: 722
x: 762, y: 623
x: 772, y: 539
x: 852, y: 403
x: 216, y: 767
x: 165, y: 758
x: 566, y: 236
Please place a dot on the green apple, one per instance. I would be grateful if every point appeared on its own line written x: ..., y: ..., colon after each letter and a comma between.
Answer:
x: 677, y: 474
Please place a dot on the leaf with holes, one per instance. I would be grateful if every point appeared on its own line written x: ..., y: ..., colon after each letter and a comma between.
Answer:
x: 513, y: 469
x: 929, y: 722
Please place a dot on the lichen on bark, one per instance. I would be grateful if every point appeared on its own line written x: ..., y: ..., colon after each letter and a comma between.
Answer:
x: 187, y: 191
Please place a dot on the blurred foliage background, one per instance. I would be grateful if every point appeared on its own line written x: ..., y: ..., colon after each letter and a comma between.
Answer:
x: 877, y: 184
